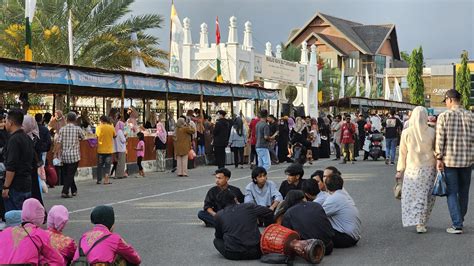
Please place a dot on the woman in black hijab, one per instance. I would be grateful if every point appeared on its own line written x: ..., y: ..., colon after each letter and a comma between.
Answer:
x: 324, y: 131
x: 283, y: 138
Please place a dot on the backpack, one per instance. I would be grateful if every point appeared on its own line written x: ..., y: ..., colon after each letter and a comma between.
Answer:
x: 82, y: 260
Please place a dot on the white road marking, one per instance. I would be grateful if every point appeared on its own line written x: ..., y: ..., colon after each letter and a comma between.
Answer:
x: 174, y: 192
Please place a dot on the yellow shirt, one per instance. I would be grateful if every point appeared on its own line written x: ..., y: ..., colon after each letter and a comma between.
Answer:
x: 105, y: 138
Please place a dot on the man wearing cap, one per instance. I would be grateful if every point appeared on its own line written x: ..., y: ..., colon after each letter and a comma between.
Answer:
x: 454, y: 151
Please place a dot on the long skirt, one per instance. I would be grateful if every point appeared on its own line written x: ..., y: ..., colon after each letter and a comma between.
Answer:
x: 417, y: 201
x: 324, y: 149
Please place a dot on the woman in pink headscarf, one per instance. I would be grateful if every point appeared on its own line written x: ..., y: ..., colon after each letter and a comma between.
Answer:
x: 28, y: 243
x: 160, y: 144
x: 58, y: 217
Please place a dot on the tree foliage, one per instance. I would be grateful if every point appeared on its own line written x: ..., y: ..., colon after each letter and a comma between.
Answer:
x: 463, y: 80
x: 415, y: 80
x: 101, y: 28
x: 291, y: 52
x: 405, y: 56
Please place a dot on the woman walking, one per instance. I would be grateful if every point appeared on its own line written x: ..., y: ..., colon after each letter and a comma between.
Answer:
x: 416, y: 165
x: 283, y: 139
x: 237, y: 141
x: 160, y: 144
x: 182, y: 146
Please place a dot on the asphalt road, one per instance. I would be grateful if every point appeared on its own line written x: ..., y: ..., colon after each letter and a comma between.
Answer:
x: 157, y: 215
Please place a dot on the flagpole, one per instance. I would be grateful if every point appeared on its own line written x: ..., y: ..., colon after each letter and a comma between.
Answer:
x: 171, y: 28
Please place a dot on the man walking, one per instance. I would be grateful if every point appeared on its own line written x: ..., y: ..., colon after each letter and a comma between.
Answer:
x: 69, y: 139
x: 263, y: 141
x: 348, y: 131
x: 105, y: 139
x: 19, y: 153
x: 221, y: 138
x: 393, y: 126
x: 454, y: 152
x: 273, y: 125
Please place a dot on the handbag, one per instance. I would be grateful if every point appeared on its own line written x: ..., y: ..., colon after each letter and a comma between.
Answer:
x: 191, y: 154
x: 440, y: 189
x: 397, y: 189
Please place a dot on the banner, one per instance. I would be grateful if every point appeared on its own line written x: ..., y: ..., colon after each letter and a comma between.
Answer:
x: 216, y: 90
x: 33, y: 74
x: 271, y: 68
x: 95, y: 79
x: 245, y: 93
x: 175, y: 86
x: 145, y: 83
x: 268, y: 95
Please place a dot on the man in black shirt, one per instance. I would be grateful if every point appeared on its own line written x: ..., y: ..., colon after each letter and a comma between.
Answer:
x: 272, y: 123
x: 393, y: 126
x: 212, y: 204
x: 294, y: 174
x: 19, y: 153
x: 308, y: 219
x: 220, y: 138
x: 237, y: 234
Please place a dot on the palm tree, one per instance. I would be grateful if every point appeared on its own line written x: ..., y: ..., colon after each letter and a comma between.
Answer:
x: 101, y: 33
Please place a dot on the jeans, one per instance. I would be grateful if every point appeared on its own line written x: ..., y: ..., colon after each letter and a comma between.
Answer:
x: 219, y: 153
x: 207, y: 218
x: 263, y: 158
x: 15, y: 200
x: 201, y: 150
x: 338, y: 150
x: 391, y: 148
x: 252, y: 253
x: 103, y: 165
x: 69, y: 171
x: 271, y: 149
x: 238, y: 156
x: 458, y: 181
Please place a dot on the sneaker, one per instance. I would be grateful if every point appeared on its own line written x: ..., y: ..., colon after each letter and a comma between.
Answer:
x: 392, y: 163
x: 420, y: 229
x: 454, y: 230
x: 386, y: 161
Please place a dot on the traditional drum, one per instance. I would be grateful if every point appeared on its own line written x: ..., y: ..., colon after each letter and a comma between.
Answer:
x: 279, y: 239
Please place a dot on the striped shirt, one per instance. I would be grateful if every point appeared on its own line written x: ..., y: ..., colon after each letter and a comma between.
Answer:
x: 455, y: 137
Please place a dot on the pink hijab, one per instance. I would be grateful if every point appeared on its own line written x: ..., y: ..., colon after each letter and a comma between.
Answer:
x: 30, y: 126
x: 119, y: 126
x: 32, y: 212
x: 58, y: 217
x: 161, y: 132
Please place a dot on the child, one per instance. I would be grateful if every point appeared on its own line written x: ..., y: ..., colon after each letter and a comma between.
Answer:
x: 140, y: 152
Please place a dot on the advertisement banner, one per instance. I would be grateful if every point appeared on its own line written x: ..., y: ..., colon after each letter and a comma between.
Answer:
x: 216, y: 90
x: 33, y: 74
x: 95, y: 79
x: 184, y: 87
x: 271, y: 68
x: 145, y: 83
x: 245, y: 93
x: 268, y: 94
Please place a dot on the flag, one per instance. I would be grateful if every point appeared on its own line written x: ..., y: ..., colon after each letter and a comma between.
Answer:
x: 30, y: 6
x: 137, y: 63
x: 218, y: 47
x: 69, y: 35
x: 320, y: 96
x: 387, y: 87
x: 367, y: 84
x: 358, y: 86
x: 177, y: 35
x: 341, y: 91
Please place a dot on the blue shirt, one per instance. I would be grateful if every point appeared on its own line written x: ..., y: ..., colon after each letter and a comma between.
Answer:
x: 263, y: 197
x: 321, y: 197
x: 343, y: 214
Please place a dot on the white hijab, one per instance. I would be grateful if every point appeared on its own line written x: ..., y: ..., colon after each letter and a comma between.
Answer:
x: 418, y: 123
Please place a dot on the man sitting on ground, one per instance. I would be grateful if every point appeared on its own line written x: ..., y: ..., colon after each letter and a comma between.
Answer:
x: 294, y: 174
x: 237, y: 234
x: 318, y: 176
x: 262, y: 192
x: 212, y: 204
x: 342, y: 213
x: 308, y: 219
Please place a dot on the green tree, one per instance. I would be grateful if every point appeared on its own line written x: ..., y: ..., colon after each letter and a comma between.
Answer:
x: 415, y: 80
x: 331, y: 83
x: 405, y: 56
x: 291, y: 52
x: 463, y: 80
x: 101, y: 28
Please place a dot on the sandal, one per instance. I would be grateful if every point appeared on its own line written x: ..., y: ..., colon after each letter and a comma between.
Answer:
x: 110, y: 183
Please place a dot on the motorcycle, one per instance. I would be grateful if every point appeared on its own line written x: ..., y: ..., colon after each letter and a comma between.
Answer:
x: 375, y: 147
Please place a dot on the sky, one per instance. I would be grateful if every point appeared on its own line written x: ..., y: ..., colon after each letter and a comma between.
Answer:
x: 442, y: 27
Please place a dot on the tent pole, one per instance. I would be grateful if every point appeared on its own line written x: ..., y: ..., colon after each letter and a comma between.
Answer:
x: 122, y: 98
x: 54, y: 103
x: 103, y: 105
x: 167, y: 124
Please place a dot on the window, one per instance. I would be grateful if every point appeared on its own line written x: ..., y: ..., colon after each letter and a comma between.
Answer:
x: 380, y: 63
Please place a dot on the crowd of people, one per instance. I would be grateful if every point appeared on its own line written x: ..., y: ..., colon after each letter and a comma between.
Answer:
x: 316, y: 208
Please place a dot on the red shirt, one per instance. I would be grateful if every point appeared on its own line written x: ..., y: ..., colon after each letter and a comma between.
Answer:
x: 253, y: 127
x: 347, y: 133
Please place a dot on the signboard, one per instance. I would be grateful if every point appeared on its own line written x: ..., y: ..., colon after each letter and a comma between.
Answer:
x: 216, y: 90
x: 184, y: 87
x: 95, y: 79
x: 271, y: 68
x: 145, y: 83
x: 245, y: 93
x: 33, y: 74
x: 268, y: 95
